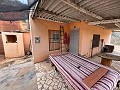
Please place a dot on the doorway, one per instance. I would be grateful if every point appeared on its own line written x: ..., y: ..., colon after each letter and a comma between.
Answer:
x: 74, y: 41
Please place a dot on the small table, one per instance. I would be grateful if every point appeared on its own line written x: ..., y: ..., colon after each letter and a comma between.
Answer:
x: 108, y: 57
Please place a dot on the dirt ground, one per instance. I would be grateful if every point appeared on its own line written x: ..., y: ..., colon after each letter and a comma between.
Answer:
x: 117, y: 48
x: 18, y: 74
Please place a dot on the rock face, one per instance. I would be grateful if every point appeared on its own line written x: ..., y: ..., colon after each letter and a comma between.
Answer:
x: 115, y: 38
x: 19, y: 76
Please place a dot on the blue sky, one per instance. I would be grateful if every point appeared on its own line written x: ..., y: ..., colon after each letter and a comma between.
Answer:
x: 24, y: 1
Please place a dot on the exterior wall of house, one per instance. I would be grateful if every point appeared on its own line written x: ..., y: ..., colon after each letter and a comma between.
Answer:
x: 15, y: 49
x: 10, y: 26
x: 1, y: 46
x: 27, y: 41
x: 86, y: 36
x: 7, y: 26
x: 40, y: 28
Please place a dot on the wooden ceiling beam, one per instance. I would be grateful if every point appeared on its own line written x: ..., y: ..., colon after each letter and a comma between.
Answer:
x: 117, y: 24
x: 36, y: 9
x: 80, y: 9
x: 104, y: 22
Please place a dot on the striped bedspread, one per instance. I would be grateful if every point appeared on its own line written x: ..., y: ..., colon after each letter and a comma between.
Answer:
x: 75, y: 69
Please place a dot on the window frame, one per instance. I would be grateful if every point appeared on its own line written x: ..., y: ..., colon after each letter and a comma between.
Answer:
x: 8, y: 40
x: 53, y: 39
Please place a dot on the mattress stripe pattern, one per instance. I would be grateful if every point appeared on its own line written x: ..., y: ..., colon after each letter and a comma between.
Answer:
x: 75, y: 69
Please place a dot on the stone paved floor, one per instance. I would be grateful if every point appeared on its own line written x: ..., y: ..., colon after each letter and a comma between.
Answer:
x: 48, y: 78
x: 19, y: 74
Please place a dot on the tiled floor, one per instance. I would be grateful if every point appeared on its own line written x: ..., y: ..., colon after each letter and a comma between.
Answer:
x: 48, y: 78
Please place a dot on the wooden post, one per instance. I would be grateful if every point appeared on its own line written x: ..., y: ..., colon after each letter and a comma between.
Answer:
x: 106, y: 62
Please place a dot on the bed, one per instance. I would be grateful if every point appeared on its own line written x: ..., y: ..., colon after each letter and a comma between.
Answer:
x: 77, y: 70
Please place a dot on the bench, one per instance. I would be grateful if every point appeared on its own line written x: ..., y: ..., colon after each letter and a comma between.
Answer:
x: 95, y: 76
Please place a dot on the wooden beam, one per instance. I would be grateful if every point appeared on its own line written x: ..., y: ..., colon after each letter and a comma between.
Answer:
x: 113, y: 28
x: 50, y: 20
x: 104, y: 22
x: 36, y: 9
x: 81, y: 9
x: 116, y: 31
x: 117, y: 24
x: 95, y: 76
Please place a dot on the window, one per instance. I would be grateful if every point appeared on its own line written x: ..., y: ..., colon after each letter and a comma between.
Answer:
x: 54, y: 40
x: 56, y: 37
x: 11, y: 39
x: 96, y: 40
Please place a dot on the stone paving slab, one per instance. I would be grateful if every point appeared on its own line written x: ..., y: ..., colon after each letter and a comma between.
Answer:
x: 48, y: 78
x: 18, y: 75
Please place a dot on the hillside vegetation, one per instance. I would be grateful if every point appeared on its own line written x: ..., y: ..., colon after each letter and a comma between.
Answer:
x: 115, y: 38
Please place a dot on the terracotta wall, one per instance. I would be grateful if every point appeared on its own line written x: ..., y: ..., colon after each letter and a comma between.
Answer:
x: 26, y: 40
x: 7, y: 26
x: 12, y: 26
x: 13, y: 49
x: 1, y: 46
x: 40, y: 28
x: 86, y: 36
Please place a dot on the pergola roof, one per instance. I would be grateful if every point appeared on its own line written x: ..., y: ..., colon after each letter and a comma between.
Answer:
x: 78, y: 10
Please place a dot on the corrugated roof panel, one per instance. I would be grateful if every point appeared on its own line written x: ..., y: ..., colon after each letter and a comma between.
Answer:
x: 60, y: 11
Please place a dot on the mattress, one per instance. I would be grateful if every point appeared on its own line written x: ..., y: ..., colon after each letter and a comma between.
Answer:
x: 75, y: 69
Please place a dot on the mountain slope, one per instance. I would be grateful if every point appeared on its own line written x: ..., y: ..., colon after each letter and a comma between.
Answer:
x: 115, y: 38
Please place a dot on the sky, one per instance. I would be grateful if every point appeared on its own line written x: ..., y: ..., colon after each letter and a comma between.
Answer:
x: 23, y: 1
